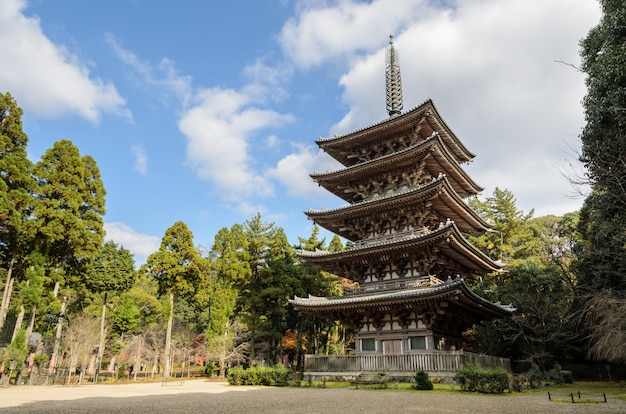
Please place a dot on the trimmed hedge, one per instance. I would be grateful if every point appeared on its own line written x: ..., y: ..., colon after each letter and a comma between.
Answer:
x: 475, y: 379
x: 276, y: 376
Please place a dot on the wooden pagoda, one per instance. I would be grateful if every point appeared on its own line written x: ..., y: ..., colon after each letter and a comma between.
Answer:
x: 407, y: 225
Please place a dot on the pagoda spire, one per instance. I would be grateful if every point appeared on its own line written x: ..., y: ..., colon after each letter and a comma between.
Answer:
x: 393, y: 81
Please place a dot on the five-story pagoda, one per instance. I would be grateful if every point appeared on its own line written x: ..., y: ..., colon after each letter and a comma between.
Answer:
x: 407, y: 224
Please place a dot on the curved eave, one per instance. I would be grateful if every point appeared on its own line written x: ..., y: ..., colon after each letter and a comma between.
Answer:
x: 445, y: 201
x: 448, y: 238
x: 456, y: 288
x: 438, y: 161
x: 336, y: 146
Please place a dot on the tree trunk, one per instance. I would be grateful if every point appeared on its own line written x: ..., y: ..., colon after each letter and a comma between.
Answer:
x: 168, y: 339
x: 101, y: 342
x: 252, y: 344
x: 155, y: 365
x: 6, y: 295
x: 18, y: 323
x: 138, y: 357
x: 31, y: 322
x: 57, y: 339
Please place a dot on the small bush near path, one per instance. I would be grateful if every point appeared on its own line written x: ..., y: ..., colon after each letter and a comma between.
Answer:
x: 475, y: 379
x: 276, y: 376
x: 420, y: 381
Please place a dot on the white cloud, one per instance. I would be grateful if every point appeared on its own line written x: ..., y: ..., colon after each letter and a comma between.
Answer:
x: 266, y: 82
x: 272, y: 141
x: 218, y: 129
x: 322, y: 31
x: 140, y: 245
x: 489, y: 67
x: 46, y: 78
x: 163, y: 76
x: 141, y: 160
x: 293, y: 172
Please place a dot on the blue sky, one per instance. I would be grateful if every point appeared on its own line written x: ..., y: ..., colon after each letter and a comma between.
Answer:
x: 207, y: 112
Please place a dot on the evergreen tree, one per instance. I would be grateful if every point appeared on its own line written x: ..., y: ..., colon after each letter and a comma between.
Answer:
x: 259, y: 239
x: 601, y: 265
x: 602, y: 258
x: 69, y: 208
x: 312, y: 243
x: 175, y: 266
x: 335, y: 244
x: 31, y: 292
x: 112, y: 270
x: 511, y: 236
x: 16, y: 185
x: 229, y: 268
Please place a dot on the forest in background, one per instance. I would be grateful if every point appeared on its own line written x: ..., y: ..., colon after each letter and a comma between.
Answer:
x: 78, y: 300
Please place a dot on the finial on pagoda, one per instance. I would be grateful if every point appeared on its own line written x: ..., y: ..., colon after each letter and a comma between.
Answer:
x: 392, y: 81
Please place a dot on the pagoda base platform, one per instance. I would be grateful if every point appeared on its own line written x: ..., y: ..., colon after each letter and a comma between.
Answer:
x: 437, y: 364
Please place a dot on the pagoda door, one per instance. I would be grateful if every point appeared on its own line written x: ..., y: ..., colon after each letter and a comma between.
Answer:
x: 392, y: 347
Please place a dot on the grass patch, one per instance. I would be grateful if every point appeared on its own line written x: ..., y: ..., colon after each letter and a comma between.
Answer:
x: 613, y: 389
x: 591, y: 392
x: 577, y: 401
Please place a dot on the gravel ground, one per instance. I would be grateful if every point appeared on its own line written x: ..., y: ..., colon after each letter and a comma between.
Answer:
x: 219, y: 398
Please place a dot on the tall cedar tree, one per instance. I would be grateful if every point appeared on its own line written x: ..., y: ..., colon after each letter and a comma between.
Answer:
x: 259, y: 238
x: 69, y: 208
x: 602, y: 258
x: 16, y: 184
x: 176, y: 268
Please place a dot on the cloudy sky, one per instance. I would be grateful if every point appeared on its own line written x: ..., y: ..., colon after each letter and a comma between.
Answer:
x: 207, y: 112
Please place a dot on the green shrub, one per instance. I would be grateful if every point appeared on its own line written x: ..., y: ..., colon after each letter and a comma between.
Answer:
x: 277, y: 376
x: 555, y: 375
x: 568, y: 376
x: 535, y: 377
x: 235, y: 376
x: 420, y: 381
x: 475, y: 379
x: 209, y: 369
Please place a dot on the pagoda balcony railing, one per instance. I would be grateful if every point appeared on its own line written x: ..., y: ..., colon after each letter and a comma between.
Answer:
x: 437, y: 362
x: 419, y: 283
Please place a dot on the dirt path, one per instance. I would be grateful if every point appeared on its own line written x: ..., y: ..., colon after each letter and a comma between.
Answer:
x: 217, y: 398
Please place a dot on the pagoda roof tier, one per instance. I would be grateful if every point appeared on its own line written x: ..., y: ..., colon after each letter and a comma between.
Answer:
x: 447, y: 238
x: 454, y: 292
x: 425, y: 119
x: 430, y: 154
x: 444, y: 200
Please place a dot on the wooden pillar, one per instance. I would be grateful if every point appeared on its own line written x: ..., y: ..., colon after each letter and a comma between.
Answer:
x: 430, y: 342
